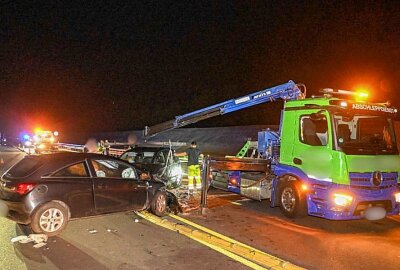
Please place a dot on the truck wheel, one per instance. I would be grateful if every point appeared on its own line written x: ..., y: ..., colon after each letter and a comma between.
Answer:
x: 50, y: 218
x: 292, y: 202
x: 159, y: 204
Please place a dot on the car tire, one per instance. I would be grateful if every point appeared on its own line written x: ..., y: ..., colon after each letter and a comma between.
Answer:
x: 292, y: 202
x: 50, y: 219
x: 158, y: 204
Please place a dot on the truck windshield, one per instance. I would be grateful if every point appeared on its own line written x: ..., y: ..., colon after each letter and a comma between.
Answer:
x: 365, y: 134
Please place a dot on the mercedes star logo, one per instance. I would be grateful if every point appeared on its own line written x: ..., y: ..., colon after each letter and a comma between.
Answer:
x: 377, y: 178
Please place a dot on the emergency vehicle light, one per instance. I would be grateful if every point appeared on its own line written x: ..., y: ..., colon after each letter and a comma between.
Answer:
x: 360, y: 95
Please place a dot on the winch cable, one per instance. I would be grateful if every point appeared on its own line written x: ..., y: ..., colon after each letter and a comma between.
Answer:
x: 169, y: 159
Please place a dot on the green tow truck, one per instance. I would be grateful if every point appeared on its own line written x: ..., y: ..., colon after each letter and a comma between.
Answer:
x: 332, y: 157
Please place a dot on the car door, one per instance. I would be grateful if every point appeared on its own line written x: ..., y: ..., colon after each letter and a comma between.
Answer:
x: 312, y: 151
x: 72, y: 184
x: 116, y: 186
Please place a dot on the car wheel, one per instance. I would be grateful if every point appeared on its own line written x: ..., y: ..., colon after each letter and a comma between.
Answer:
x: 292, y: 202
x: 159, y: 204
x: 50, y: 218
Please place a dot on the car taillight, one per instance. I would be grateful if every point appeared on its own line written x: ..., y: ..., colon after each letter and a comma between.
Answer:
x: 23, y: 188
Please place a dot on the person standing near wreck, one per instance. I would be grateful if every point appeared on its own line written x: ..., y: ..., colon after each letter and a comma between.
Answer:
x: 194, y: 180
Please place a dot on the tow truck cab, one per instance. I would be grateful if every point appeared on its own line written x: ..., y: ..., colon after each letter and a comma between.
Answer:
x: 341, y: 154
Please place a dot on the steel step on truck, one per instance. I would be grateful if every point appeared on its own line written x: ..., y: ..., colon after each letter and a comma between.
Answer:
x: 334, y: 156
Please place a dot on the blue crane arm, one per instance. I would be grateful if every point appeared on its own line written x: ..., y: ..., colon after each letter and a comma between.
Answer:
x: 286, y: 91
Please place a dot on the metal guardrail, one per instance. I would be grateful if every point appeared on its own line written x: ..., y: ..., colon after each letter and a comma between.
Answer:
x: 71, y: 147
x: 116, y: 152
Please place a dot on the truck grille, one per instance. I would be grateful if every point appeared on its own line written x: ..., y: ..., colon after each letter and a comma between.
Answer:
x: 366, y: 179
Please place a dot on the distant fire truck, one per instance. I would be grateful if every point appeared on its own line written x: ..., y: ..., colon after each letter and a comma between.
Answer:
x: 44, y: 141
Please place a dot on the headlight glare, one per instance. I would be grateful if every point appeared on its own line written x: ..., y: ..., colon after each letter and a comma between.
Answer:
x: 397, y: 197
x: 342, y: 199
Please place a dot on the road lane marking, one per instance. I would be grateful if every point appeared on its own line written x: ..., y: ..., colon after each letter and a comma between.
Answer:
x: 236, y: 203
x: 245, y: 254
x: 243, y: 249
x: 189, y: 233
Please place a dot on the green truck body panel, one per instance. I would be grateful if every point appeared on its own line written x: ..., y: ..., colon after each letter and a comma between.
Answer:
x: 324, y: 162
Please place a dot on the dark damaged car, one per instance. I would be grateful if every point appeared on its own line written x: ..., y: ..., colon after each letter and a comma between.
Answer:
x: 46, y: 191
x: 159, y: 161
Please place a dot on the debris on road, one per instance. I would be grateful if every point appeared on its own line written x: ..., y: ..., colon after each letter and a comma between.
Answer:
x: 39, y: 245
x: 40, y: 240
x: 188, y: 202
x: 18, y: 238
x: 111, y: 230
x: 92, y: 231
x: 136, y: 220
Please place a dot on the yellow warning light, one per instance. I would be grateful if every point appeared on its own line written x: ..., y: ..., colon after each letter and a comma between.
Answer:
x: 361, y: 95
x: 361, y: 92
x: 304, y: 187
x: 37, y: 130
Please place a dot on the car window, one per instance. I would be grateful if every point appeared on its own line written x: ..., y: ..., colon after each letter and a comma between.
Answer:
x: 142, y: 158
x: 160, y: 158
x: 313, y: 132
x: 24, y: 167
x: 76, y: 170
x: 129, y: 156
x: 138, y: 157
x: 113, y: 169
x: 147, y: 157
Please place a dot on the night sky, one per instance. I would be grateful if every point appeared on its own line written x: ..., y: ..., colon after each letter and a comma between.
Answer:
x: 121, y: 65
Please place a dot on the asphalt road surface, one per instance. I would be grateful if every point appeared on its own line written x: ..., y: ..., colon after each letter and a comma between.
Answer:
x: 310, y: 242
x: 118, y: 243
x: 122, y: 243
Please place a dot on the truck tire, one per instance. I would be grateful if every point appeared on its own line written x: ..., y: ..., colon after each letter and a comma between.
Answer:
x: 158, y: 204
x: 50, y: 218
x: 292, y: 202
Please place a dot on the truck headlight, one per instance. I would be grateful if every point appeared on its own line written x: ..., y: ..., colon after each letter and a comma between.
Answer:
x: 342, y: 199
x: 397, y: 197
